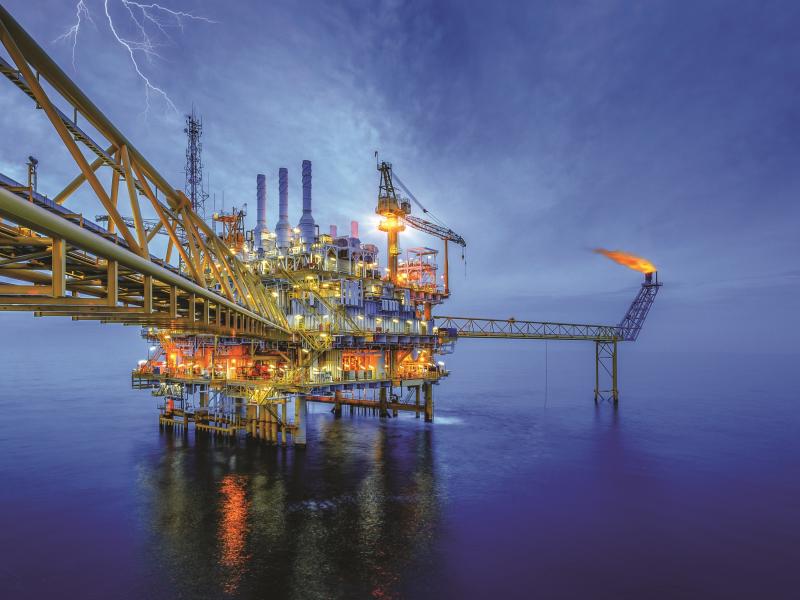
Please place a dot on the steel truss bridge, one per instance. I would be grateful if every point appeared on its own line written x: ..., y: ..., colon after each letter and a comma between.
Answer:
x: 605, y: 337
x: 65, y: 265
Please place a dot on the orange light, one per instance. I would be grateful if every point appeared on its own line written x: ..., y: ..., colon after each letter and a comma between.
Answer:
x: 637, y: 263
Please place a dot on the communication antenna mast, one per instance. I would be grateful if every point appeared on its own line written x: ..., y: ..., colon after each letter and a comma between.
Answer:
x: 194, y: 164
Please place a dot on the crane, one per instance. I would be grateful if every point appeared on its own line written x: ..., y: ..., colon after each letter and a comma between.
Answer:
x: 396, y: 213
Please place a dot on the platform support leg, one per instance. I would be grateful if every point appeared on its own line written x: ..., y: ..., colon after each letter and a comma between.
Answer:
x: 605, y: 372
x: 383, y: 409
x: 283, y: 423
x: 428, y: 402
x: 300, y: 415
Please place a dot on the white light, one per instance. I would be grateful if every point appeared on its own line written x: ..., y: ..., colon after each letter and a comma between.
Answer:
x: 440, y: 363
x: 152, y: 348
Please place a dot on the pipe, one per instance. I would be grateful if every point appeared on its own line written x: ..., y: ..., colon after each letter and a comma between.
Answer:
x: 282, y: 228
x: 39, y: 219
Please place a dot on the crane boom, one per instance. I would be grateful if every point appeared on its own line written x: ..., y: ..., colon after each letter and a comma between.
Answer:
x: 435, y: 230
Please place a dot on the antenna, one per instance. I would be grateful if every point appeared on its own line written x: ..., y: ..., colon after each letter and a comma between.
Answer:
x: 194, y: 164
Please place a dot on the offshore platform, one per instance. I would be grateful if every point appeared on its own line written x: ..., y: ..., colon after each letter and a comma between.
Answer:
x: 244, y: 327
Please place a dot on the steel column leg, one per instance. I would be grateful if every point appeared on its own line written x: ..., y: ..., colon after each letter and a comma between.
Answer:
x: 605, y: 368
x: 59, y: 277
x: 300, y: 416
x: 428, y: 402
x: 383, y: 410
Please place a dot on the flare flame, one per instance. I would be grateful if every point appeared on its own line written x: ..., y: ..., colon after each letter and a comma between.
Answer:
x: 637, y: 263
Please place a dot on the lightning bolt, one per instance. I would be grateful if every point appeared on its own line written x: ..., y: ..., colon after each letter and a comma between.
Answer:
x: 145, y: 45
x: 81, y: 12
x: 151, y: 13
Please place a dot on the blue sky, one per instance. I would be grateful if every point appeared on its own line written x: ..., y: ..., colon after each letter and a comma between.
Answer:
x: 537, y: 130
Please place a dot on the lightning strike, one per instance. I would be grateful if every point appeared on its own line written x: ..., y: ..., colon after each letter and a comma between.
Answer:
x: 143, y: 17
x: 81, y: 12
x: 177, y: 15
x: 145, y: 46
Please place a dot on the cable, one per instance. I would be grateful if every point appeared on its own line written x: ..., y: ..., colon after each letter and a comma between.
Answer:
x: 417, y: 202
x: 545, y: 374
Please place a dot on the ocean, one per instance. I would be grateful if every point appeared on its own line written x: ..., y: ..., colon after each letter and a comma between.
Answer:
x: 521, y: 488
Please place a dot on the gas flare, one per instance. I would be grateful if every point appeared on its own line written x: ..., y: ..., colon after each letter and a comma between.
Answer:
x: 637, y: 263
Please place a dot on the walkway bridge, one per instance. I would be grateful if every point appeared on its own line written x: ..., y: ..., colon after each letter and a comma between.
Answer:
x: 605, y: 337
x: 63, y: 264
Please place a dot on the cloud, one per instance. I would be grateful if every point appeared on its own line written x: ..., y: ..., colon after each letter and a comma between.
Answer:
x: 536, y: 131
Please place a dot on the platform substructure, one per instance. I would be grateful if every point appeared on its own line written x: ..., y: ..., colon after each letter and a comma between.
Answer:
x: 605, y: 372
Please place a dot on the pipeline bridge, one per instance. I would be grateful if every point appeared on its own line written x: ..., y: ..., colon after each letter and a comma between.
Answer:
x: 242, y: 327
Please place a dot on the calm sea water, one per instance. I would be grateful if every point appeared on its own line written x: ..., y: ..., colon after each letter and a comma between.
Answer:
x: 691, y: 489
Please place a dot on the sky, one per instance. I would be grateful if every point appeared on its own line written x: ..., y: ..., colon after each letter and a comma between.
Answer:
x: 537, y: 130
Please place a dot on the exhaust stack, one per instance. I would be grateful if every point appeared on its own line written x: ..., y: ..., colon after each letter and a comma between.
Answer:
x: 261, y: 213
x: 283, y: 229
x: 354, y: 229
x: 306, y: 224
x: 334, y: 231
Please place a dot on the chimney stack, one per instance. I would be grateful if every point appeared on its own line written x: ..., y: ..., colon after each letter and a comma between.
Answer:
x: 354, y: 229
x: 283, y: 229
x: 261, y: 212
x: 334, y: 231
x: 306, y: 224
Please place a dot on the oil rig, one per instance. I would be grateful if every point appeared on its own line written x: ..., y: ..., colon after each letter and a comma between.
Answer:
x: 244, y: 327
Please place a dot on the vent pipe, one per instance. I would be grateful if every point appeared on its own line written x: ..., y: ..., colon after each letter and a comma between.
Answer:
x: 283, y: 229
x: 306, y: 225
x: 261, y: 212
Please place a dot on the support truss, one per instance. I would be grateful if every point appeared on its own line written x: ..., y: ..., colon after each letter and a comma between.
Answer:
x: 469, y: 327
x: 55, y: 262
x: 605, y: 372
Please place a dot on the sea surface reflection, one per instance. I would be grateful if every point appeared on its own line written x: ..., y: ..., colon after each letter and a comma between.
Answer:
x: 344, y: 518
x: 689, y: 490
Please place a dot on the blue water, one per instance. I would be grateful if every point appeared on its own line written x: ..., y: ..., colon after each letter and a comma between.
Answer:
x: 691, y: 489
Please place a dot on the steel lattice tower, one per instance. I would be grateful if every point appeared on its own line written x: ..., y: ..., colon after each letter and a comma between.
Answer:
x: 194, y: 164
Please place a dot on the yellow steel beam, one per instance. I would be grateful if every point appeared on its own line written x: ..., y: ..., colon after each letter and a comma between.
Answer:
x: 134, y: 199
x: 44, y: 102
x: 73, y: 185
x: 30, y: 215
x: 173, y: 236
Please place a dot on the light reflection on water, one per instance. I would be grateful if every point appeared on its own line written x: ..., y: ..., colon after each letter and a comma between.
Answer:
x: 343, y: 518
x: 233, y: 529
x: 689, y: 490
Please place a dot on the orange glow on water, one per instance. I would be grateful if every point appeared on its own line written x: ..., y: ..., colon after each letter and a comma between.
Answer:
x: 233, y: 530
x: 637, y: 263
